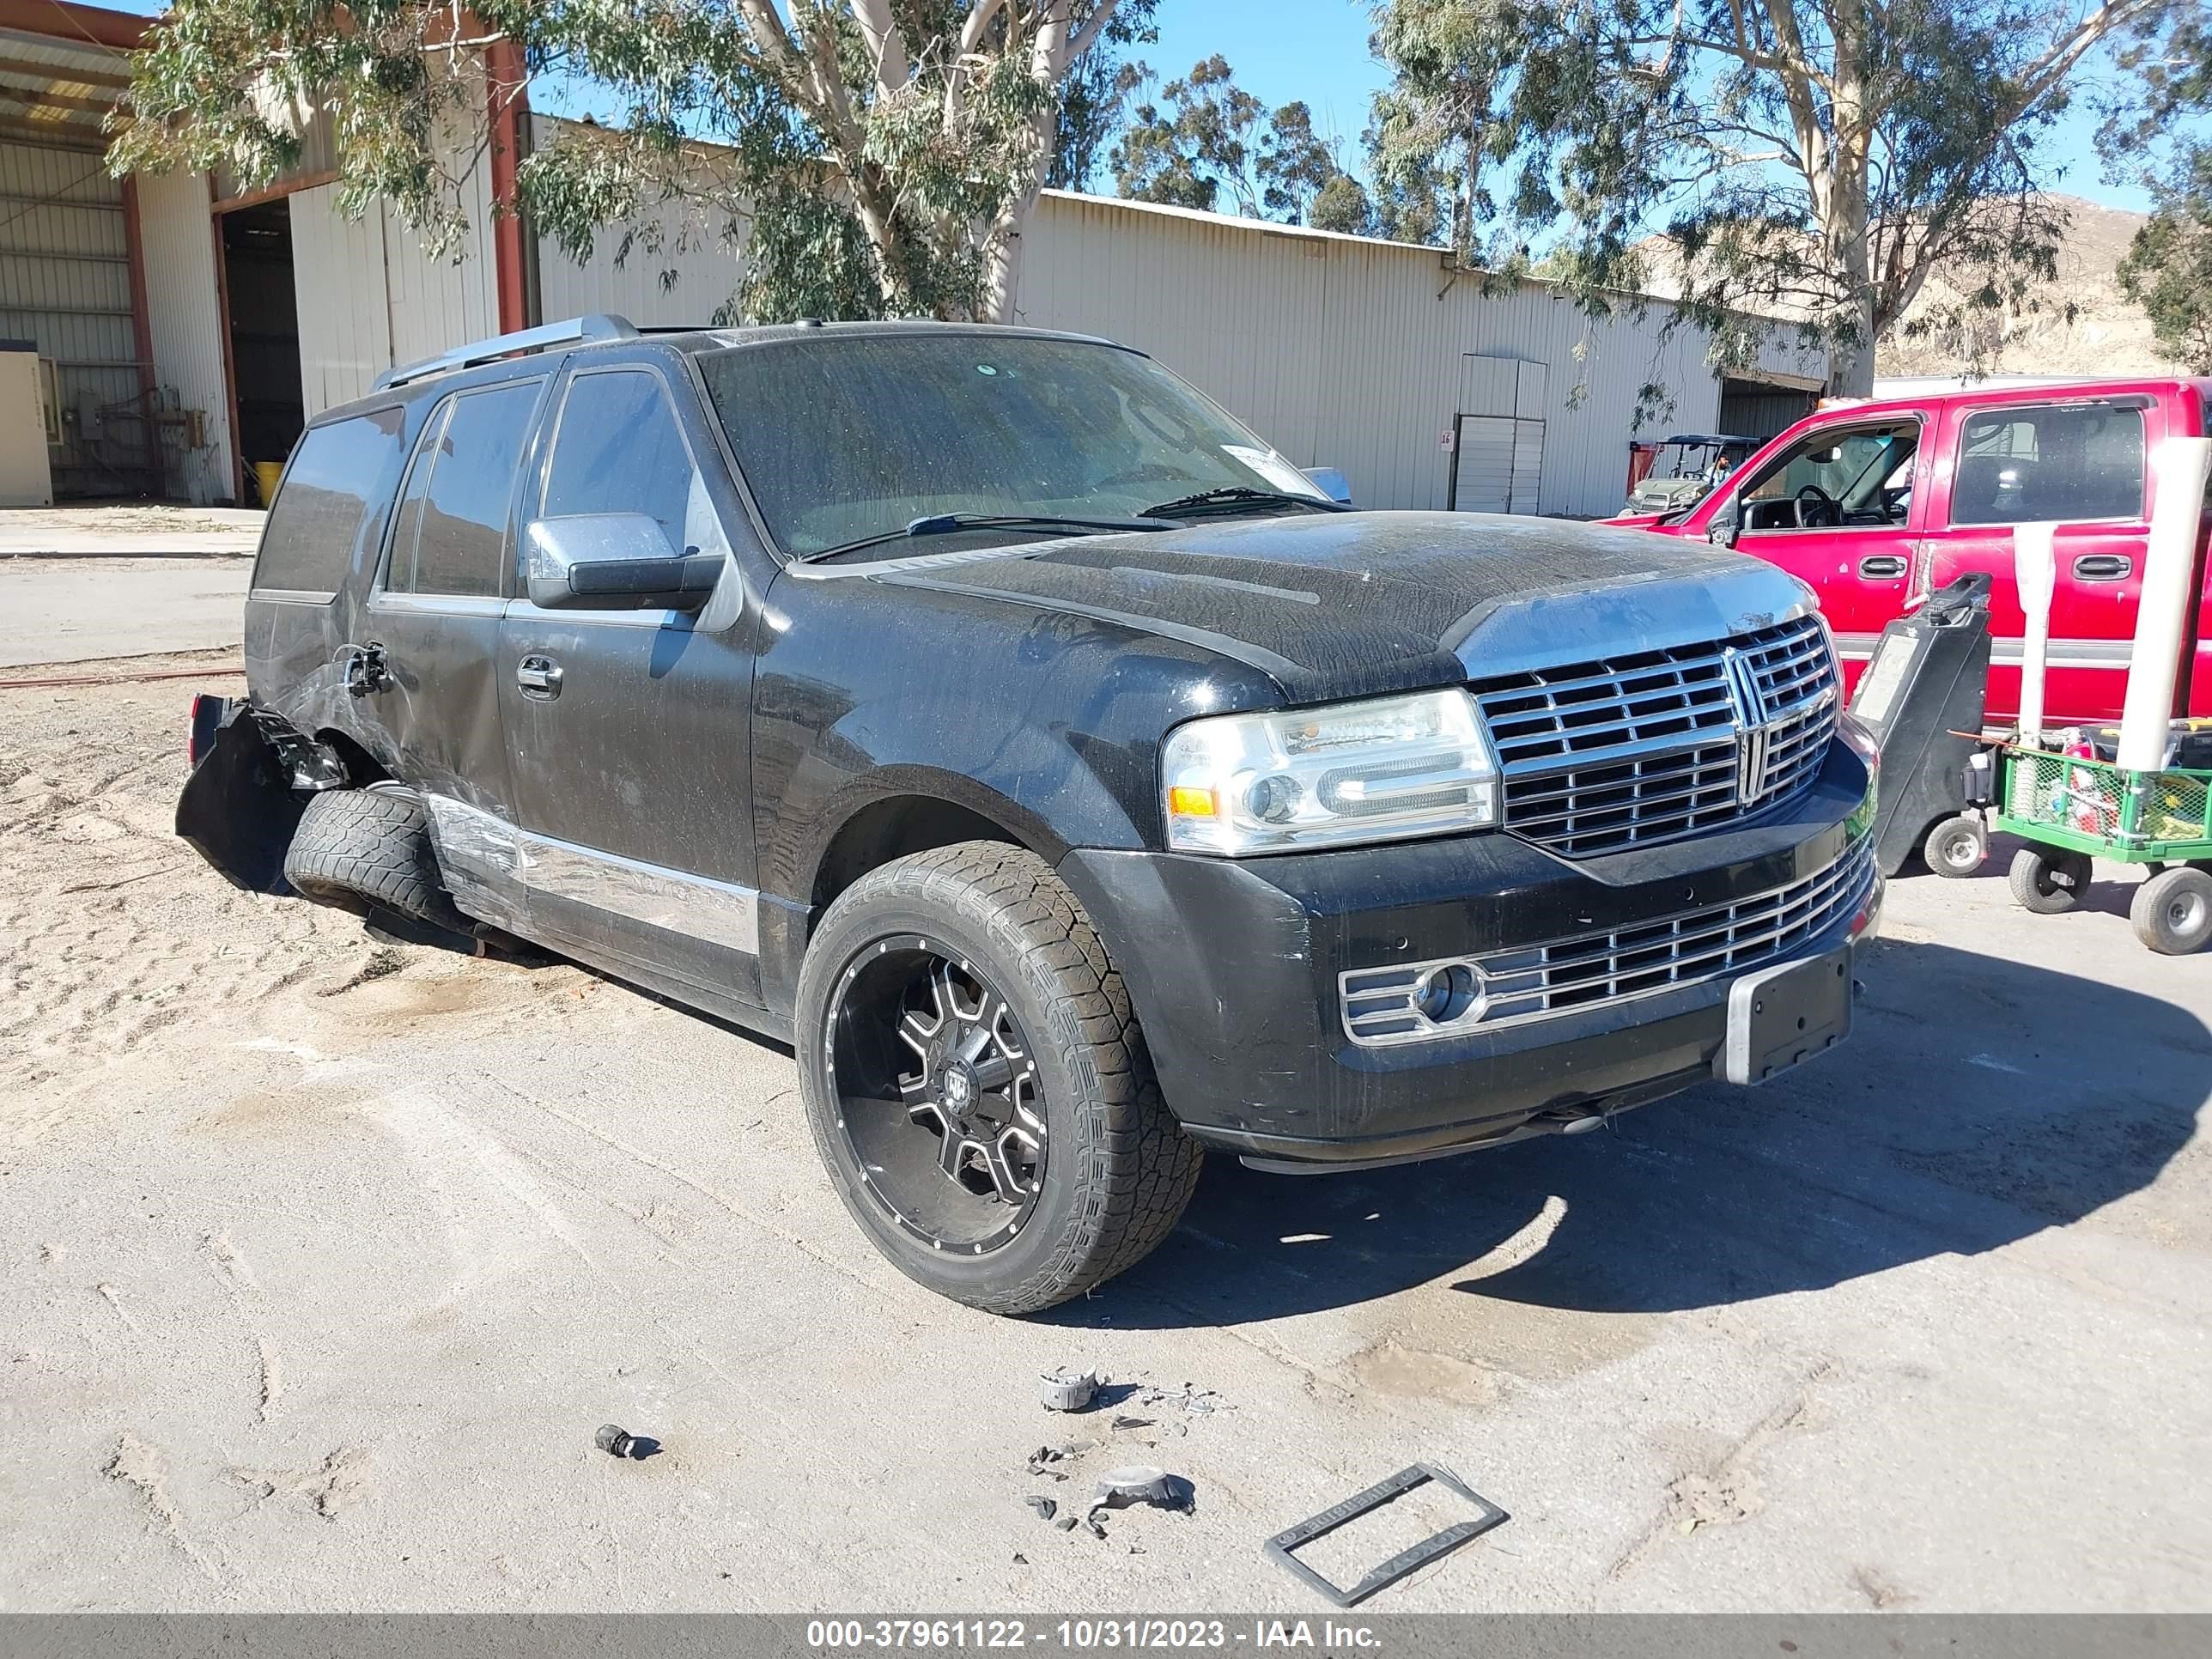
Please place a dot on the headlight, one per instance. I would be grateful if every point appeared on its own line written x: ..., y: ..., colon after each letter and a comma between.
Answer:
x: 1381, y: 770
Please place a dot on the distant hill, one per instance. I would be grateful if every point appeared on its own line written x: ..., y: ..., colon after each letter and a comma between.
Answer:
x: 2080, y: 324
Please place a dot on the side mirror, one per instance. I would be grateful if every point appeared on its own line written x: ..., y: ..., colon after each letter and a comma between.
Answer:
x: 1334, y: 484
x: 1722, y: 529
x: 613, y: 561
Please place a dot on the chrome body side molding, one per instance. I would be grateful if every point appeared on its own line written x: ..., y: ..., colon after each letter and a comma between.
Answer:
x: 495, y: 870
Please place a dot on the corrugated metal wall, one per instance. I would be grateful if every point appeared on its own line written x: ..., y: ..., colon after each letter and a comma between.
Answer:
x: 345, y: 315
x: 707, y: 275
x: 371, y: 297
x: 1348, y: 353
x: 65, y: 285
x: 438, y: 303
x: 178, y: 247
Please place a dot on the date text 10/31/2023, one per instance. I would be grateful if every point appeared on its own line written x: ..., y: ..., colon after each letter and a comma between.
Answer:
x: 1085, y: 1635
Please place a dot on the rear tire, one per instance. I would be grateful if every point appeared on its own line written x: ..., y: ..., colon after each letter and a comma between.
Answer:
x: 976, y: 1083
x: 2049, y: 880
x: 364, y: 849
x: 2173, y: 911
x: 1957, y: 847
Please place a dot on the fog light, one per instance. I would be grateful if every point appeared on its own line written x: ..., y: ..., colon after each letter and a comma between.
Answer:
x: 1446, y: 993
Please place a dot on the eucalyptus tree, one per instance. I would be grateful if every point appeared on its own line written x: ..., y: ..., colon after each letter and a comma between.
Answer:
x: 1818, y: 159
x: 875, y: 157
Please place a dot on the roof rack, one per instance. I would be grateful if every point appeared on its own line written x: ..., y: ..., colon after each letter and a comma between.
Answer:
x: 577, y: 330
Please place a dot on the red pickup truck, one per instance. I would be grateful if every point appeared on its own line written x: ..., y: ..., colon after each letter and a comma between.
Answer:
x: 1877, y: 504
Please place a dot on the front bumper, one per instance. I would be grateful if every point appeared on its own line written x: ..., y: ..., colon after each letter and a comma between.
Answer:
x: 1234, y: 967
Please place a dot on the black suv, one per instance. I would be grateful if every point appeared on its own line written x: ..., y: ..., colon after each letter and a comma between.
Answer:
x: 1068, y: 779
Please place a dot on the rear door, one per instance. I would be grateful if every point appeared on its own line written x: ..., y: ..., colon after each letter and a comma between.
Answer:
x: 434, y: 606
x: 2079, y: 464
x: 1840, y: 508
x: 631, y: 729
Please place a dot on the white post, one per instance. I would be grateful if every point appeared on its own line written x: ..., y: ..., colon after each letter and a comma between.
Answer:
x: 2178, y: 472
x: 2035, y: 571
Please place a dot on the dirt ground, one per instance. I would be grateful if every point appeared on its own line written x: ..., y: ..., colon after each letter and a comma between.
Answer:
x: 323, y: 1257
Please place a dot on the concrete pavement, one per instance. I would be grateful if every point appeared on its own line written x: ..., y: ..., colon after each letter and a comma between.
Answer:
x: 323, y: 1259
x: 59, y: 611
x: 129, y: 531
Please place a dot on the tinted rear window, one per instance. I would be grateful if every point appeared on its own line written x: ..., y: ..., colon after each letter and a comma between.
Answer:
x: 337, y: 487
x: 451, y: 536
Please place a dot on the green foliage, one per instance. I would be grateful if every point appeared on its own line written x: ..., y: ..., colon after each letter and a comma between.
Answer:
x: 1207, y: 143
x: 1814, y: 159
x: 1094, y: 101
x: 1342, y: 205
x: 2168, y: 268
x: 871, y: 160
x: 2157, y: 139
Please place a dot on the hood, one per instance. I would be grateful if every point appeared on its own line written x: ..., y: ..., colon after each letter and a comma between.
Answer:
x: 1346, y: 604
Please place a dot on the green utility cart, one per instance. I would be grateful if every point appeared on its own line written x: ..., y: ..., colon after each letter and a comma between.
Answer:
x: 2069, y: 810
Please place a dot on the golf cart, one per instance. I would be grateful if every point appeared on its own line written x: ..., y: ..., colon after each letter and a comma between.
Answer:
x: 1677, y: 472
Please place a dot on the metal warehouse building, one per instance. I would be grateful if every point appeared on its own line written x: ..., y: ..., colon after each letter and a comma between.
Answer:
x: 185, y: 327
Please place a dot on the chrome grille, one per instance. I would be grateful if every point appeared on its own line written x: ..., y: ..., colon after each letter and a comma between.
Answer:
x: 1380, y: 1008
x: 1648, y: 747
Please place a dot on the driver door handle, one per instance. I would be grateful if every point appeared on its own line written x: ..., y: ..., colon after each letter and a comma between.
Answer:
x: 1881, y: 567
x: 538, y: 677
x: 2103, y: 566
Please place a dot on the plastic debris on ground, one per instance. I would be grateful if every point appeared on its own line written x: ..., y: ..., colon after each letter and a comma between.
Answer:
x: 1067, y: 1391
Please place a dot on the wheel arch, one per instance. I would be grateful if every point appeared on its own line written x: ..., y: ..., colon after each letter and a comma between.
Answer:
x: 913, y: 810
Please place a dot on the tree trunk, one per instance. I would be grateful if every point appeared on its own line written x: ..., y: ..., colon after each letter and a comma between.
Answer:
x: 1002, y: 265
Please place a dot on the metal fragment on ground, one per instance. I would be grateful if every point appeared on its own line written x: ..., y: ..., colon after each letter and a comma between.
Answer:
x: 1045, y: 1507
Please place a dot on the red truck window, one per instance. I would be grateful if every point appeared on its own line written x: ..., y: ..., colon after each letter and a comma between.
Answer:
x: 1861, y: 479
x: 2071, y: 465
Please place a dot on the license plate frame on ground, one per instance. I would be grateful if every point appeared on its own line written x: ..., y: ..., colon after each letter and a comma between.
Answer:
x: 1782, y: 1016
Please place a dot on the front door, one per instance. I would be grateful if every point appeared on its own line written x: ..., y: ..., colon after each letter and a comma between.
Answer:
x: 2079, y: 466
x: 1839, y: 510
x: 630, y: 729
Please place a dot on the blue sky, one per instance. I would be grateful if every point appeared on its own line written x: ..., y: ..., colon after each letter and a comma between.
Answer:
x: 1316, y: 50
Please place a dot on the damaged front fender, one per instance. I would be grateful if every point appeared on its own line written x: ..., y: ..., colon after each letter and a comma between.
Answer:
x: 244, y: 798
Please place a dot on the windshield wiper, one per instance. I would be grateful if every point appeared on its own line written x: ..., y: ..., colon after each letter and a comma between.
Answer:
x: 944, y: 523
x: 1241, y: 495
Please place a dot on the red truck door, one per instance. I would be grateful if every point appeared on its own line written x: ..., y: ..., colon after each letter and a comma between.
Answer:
x: 2079, y: 463
x: 1838, y: 507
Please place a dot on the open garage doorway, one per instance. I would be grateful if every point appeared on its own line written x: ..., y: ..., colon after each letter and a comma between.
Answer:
x: 262, y: 312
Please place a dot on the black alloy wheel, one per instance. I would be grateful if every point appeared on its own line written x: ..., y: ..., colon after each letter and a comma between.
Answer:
x: 976, y: 1083
x: 938, y: 1095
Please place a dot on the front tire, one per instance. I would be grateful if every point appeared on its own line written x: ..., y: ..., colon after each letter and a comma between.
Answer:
x: 977, y: 1086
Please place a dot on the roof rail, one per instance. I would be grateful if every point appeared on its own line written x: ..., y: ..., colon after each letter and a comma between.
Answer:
x: 577, y: 330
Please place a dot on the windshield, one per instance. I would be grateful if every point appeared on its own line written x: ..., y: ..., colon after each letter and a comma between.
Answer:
x: 845, y: 437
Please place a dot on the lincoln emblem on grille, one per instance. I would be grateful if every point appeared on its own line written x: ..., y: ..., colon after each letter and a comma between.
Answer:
x: 1753, y: 730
